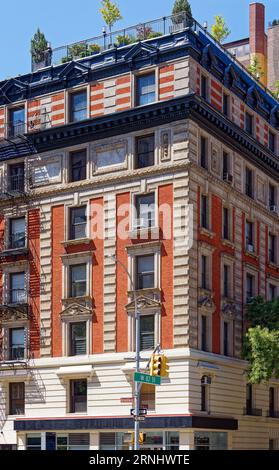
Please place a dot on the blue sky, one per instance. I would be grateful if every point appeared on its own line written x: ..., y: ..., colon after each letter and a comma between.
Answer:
x: 66, y: 21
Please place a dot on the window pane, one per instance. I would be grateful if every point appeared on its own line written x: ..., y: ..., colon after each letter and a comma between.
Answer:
x: 145, y: 272
x: 78, y: 223
x: 78, y: 165
x: 17, y: 288
x: 78, y: 396
x: 16, y: 177
x: 145, y: 151
x: 78, y: 338
x: 146, y: 332
x: 17, y: 343
x: 17, y: 398
x: 17, y: 122
x: 33, y: 442
x: 17, y: 233
x: 78, y: 280
x: 145, y: 211
x: 79, y: 106
x: 146, y: 89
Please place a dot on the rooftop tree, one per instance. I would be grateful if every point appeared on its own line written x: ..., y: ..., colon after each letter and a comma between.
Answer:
x: 39, y: 46
x: 182, y: 6
x: 219, y: 29
x: 110, y: 13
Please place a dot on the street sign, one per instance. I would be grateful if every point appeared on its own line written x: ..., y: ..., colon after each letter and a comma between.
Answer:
x: 142, y: 411
x: 147, y: 379
x: 139, y: 418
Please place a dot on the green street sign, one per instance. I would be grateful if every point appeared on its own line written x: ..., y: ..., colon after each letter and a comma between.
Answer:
x: 147, y: 379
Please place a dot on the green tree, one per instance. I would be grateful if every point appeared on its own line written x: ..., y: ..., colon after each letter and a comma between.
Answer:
x: 275, y: 89
x: 110, y: 13
x: 261, y: 345
x: 38, y: 47
x: 219, y: 29
x: 254, y: 68
x: 182, y: 6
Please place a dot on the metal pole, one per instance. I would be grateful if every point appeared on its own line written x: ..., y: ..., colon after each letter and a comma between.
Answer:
x: 137, y: 385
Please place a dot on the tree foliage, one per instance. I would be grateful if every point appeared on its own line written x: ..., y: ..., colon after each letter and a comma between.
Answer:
x: 38, y: 46
x: 261, y: 346
x: 254, y: 68
x: 182, y: 6
x: 110, y: 13
x: 219, y: 29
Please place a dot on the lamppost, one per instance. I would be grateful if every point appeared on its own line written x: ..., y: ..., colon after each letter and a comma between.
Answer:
x: 137, y: 325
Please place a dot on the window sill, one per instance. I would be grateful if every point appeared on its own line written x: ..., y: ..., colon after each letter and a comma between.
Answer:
x: 84, y: 298
x: 252, y: 254
x: 206, y: 232
x: 228, y: 243
x: 149, y: 290
x: 144, y: 232
x: 272, y: 265
x: 77, y: 241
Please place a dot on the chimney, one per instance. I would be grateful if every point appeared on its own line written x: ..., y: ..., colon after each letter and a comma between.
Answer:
x: 258, y: 39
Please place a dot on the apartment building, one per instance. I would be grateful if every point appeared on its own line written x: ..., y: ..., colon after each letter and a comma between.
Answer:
x: 118, y: 142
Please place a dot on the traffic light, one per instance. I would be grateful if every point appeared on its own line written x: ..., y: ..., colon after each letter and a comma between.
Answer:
x: 159, y: 365
x: 142, y: 437
x: 164, y: 367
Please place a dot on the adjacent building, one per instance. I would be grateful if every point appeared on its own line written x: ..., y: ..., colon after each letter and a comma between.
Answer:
x: 163, y: 153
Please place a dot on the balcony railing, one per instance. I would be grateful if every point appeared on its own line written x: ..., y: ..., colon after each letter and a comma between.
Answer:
x: 252, y: 411
x: 16, y: 183
x: 273, y: 414
x: 17, y: 241
x: 16, y: 128
x: 15, y: 353
x: 17, y: 297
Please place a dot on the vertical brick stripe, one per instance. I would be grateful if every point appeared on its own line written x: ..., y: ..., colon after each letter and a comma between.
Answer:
x: 123, y: 93
x: 57, y: 235
x: 58, y: 109
x: 34, y: 115
x: 2, y: 122
x: 98, y: 284
x: 165, y: 196
x: 121, y: 281
x: 216, y: 95
x: 34, y: 279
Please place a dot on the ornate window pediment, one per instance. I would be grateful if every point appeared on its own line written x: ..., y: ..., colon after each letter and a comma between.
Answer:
x: 144, y: 303
x: 11, y: 314
x: 209, y: 59
x: 74, y: 70
x: 74, y: 311
x: 139, y: 51
x: 14, y: 87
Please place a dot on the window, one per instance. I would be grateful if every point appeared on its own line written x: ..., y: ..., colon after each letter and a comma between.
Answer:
x: 226, y: 223
x: 16, y: 344
x: 78, y: 106
x: 16, y: 121
x: 249, y: 123
x: 249, y: 182
x: 227, y: 167
x: 33, y: 442
x: 210, y: 440
x: 249, y: 232
x: 78, y: 399
x: 226, y: 104
x: 77, y: 165
x: 77, y: 338
x: 250, y: 287
x: 204, y: 345
x: 272, y: 242
x: 73, y: 441
x: 78, y: 280
x: 271, y: 141
x: 249, y: 399
x: 17, y: 233
x: 204, y: 266
x: 145, y: 271
x: 226, y: 338
x: 272, y: 292
x: 272, y: 197
x: 17, y: 288
x: 17, y: 398
x: 271, y: 401
x: 226, y: 286
x: 204, y: 87
x: 16, y: 177
x: 78, y: 223
x: 145, y: 89
x: 204, y: 396
x: 145, y: 148
x: 147, y: 328
x: 145, y: 209
x: 147, y: 397
x: 204, y: 152
x: 204, y: 211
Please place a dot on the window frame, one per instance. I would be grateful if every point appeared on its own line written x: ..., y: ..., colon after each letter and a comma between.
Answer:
x: 136, y: 78
x: 72, y: 403
x: 21, y: 399
x: 70, y: 164
x: 70, y: 94
x: 9, y: 232
x: 71, y: 210
x: 138, y: 138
